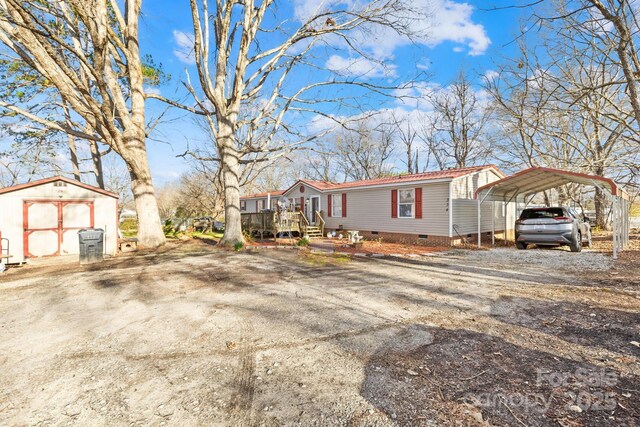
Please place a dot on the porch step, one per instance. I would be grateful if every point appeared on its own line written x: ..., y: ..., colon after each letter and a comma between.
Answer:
x: 313, y: 232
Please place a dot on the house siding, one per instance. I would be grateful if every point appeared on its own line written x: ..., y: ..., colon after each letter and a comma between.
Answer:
x: 295, y: 194
x: 252, y: 207
x: 465, y: 207
x: 465, y: 187
x: 370, y: 210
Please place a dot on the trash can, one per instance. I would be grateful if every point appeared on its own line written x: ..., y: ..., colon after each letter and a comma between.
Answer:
x: 91, y: 245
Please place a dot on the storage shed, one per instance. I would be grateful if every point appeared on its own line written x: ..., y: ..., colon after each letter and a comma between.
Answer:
x: 42, y: 218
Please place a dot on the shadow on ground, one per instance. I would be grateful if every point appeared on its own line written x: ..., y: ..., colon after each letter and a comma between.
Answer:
x: 468, y: 377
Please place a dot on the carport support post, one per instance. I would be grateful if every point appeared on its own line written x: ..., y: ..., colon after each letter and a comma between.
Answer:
x: 479, y: 222
x: 493, y: 222
x: 480, y: 200
x: 614, y: 226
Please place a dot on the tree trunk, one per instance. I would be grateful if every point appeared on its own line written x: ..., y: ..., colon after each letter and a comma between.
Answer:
x: 73, y: 154
x: 150, y: 233
x: 230, y: 164
x: 600, y: 201
x: 96, y: 158
x: 73, y: 151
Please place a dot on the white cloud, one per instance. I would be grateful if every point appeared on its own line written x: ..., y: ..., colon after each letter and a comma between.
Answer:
x: 184, y: 49
x: 446, y: 21
x: 360, y: 67
x: 424, y: 65
x: 452, y: 22
x: 490, y: 75
x: 152, y: 90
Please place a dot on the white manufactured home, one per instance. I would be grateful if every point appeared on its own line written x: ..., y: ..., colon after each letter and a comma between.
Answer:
x: 433, y: 208
x: 42, y: 218
x: 260, y: 201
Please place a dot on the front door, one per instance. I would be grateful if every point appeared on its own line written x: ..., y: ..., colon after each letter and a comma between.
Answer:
x: 315, y: 206
x: 51, y: 226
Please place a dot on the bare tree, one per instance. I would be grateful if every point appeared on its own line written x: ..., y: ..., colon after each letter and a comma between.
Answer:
x: 241, y: 65
x: 407, y: 134
x: 557, y: 109
x: 88, y: 51
x: 320, y: 163
x: 364, y: 153
x: 613, y: 23
x: 456, y: 134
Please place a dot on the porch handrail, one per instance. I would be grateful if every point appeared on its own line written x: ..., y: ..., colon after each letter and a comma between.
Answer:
x: 304, y: 222
x: 322, y: 223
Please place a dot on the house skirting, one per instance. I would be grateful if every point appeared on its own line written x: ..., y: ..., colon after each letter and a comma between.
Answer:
x: 424, y: 240
x: 413, y: 239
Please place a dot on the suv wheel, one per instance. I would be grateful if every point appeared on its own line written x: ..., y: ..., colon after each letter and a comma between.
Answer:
x: 576, y: 245
x: 521, y: 245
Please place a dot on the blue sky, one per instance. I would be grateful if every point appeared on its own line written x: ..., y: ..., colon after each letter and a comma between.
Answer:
x: 462, y: 35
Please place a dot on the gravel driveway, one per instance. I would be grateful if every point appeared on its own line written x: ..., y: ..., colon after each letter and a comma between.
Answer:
x: 198, y: 336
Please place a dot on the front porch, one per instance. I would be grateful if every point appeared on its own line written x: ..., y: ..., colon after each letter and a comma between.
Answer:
x: 278, y: 224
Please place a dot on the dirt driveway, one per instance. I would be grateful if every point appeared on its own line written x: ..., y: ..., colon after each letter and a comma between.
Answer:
x: 197, y: 336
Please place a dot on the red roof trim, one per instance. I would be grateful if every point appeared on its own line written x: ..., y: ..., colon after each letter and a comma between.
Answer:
x: 261, y: 195
x: 400, y: 179
x: 54, y: 179
x: 612, y: 184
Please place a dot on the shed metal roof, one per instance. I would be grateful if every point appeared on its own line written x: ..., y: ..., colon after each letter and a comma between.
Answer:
x: 54, y: 179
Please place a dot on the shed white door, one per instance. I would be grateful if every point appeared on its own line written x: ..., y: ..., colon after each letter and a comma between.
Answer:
x: 51, y: 227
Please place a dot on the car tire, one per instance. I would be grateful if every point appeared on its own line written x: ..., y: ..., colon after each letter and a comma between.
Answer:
x: 576, y: 245
x: 521, y: 245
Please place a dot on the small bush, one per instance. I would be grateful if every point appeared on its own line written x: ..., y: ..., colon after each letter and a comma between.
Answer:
x: 167, y: 228
x: 303, y: 242
x: 247, y: 236
x: 129, y: 227
x: 238, y: 246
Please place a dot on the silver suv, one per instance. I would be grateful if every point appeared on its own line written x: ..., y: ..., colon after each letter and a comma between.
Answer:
x: 552, y: 227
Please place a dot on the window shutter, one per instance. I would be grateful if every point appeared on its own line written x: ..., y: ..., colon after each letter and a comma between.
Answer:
x: 302, y: 204
x: 329, y: 205
x: 257, y: 206
x: 394, y: 203
x: 344, y: 205
x: 418, y: 203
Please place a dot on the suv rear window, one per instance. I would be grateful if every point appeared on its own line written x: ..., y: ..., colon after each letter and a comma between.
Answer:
x: 541, y: 213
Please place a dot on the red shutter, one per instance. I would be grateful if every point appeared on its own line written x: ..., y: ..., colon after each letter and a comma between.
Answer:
x: 394, y: 203
x: 329, y: 205
x: 344, y: 205
x: 418, y: 203
x: 302, y: 204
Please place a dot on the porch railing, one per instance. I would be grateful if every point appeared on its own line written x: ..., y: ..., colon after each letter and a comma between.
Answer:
x: 273, y: 223
x: 321, y: 222
x: 304, y: 222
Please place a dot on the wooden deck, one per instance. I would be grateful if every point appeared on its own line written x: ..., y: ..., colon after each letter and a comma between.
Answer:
x: 274, y: 223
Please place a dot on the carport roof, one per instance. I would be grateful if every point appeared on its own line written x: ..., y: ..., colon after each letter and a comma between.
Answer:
x: 54, y: 179
x: 537, y: 179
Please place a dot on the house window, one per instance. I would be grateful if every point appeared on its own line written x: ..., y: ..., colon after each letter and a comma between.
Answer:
x: 406, y: 203
x: 336, y: 205
x: 243, y: 205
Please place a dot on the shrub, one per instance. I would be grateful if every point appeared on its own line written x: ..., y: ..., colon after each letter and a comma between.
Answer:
x: 238, y: 246
x: 247, y: 236
x: 167, y: 228
x: 303, y: 242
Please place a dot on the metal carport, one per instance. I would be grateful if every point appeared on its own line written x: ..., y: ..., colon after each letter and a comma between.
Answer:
x: 534, y: 180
